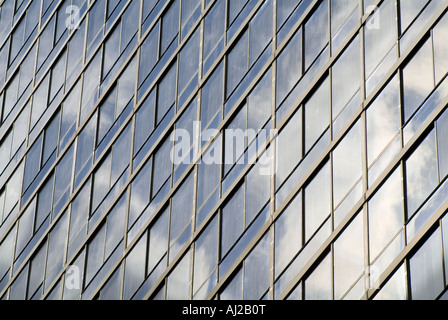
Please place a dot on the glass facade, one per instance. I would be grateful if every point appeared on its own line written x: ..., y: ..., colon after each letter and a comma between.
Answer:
x: 223, y: 149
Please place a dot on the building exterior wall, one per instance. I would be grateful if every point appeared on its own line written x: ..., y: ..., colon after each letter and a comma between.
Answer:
x: 223, y: 149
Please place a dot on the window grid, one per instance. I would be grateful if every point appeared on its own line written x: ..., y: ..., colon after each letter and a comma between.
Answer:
x: 360, y: 114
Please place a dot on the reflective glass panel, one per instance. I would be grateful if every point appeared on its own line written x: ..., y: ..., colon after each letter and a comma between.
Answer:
x: 148, y: 54
x: 170, y: 25
x: 440, y: 48
x: 289, y: 67
x: 214, y: 27
x: 237, y: 62
x: 347, y: 163
x: 234, y: 290
x: 426, y: 268
x: 317, y: 201
x: 158, y: 240
x: 379, y: 41
x: 162, y: 166
x: 166, y: 93
x: 289, y: 147
x: 288, y: 234
x: 205, y: 255
x: 260, y: 30
x: 385, y: 213
x: 318, y: 284
x: 212, y: 96
x: 395, y: 288
x: 256, y: 271
x: 317, y: 114
x: 442, y: 146
x: 135, y: 268
x: 140, y: 193
x: 340, y: 11
x: 383, y: 120
x: 232, y: 220
x: 345, y: 77
x: 409, y: 10
x: 177, y: 282
x: 181, y: 209
x: 258, y: 187
x: 421, y: 173
x: 348, y: 257
x: 188, y: 61
x: 209, y: 171
x: 316, y: 33
x: 259, y: 103
x: 6, y: 248
x: 418, y: 79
